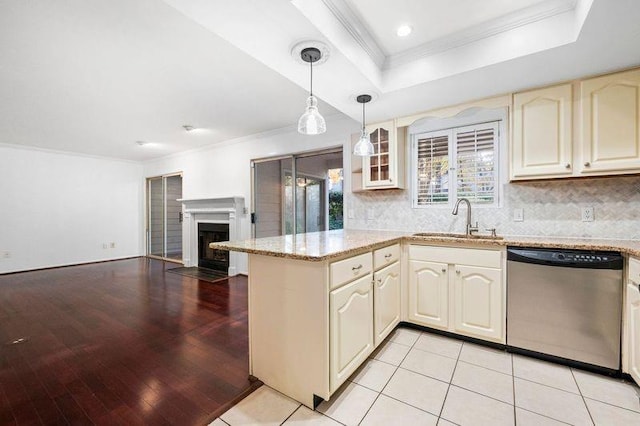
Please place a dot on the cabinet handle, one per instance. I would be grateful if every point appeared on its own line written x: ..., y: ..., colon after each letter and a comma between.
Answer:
x: 587, y: 164
x: 457, y: 271
x: 388, y: 256
x: 567, y: 166
x: 356, y: 268
x: 390, y: 180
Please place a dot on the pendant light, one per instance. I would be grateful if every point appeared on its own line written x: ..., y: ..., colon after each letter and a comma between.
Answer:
x: 364, y: 147
x: 311, y: 122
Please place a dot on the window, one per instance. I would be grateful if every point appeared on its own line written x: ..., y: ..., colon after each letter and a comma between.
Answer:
x: 460, y: 162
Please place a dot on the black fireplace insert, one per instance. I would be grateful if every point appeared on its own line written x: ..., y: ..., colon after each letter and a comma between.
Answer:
x: 209, y: 258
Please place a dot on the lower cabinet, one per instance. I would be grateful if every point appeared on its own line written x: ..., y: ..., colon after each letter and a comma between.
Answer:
x: 429, y: 293
x: 461, y: 298
x: 351, y: 332
x: 386, y: 300
x: 633, y: 320
x: 477, y: 299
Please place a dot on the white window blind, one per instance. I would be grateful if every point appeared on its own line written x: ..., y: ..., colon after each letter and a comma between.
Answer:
x: 433, y: 169
x: 475, y: 152
x: 456, y: 163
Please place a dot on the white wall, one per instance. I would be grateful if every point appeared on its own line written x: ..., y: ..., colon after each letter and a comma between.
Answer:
x: 59, y: 209
x: 223, y: 170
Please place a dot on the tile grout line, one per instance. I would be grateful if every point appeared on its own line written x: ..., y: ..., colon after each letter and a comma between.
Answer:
x: 582, y: 396
x: 513, y: 389
x: 544, y: 415
x: 289, y: 416
x: 394, y: 373
x: 444, y: 401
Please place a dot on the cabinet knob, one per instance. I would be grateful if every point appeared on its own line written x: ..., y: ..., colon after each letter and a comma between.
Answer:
x: 356, y: 268
x: 587, y: 164
x: 444, y: 270
x: 567, y: 166
x: 390, y: 180
x: 458, y: 271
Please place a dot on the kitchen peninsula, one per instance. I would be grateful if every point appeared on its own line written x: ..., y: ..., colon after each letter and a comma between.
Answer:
x: 320, y: 303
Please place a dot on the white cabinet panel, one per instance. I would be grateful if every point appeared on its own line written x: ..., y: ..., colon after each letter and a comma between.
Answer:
x: 429, y: 293
x: 610, y: 121
x: 386, y: 256
x: 386, y: 296
x: 542, y: 133
x: 633, y: 330
x: 478, y: 302
x: 385, y: 168
x: 349, y: 269
x: 351, y: 328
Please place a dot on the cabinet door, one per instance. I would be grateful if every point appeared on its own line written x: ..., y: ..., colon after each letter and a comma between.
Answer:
x: 429, y: 293
x: 542, y: 133
x: 351, y: 328
x: 478, y: 302
x: 610, y: 121
x: 633, y: 330
x: 386, y: 299
x: 385, y: 168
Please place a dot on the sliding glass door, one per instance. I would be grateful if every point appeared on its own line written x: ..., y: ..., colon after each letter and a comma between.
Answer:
x: 297, y: 193
x: 164, y: 217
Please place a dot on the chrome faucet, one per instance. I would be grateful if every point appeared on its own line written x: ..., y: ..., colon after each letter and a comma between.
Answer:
x: 470, y: 229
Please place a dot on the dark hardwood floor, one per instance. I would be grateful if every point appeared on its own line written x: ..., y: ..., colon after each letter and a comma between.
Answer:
x: 121, y: 342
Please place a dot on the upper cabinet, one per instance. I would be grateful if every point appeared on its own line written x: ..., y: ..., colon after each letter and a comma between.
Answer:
x: 385, y: 168
x: 600, y: 136
x: 610, y: 120
x: 542, y: 133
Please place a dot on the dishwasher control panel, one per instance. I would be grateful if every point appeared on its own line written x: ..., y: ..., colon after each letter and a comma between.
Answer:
x: 569, y: 258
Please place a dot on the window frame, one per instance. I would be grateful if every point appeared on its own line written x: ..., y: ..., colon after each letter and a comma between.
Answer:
x: 468, y: 118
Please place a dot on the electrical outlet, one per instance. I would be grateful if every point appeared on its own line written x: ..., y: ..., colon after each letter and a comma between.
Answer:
x: 587, y: 214
x: 518, y: 215
x: 112, y: 245
x: 105, y: 246
x: 371, y: 214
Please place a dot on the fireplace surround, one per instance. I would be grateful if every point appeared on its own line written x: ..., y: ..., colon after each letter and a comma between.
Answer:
x: 227, y: 210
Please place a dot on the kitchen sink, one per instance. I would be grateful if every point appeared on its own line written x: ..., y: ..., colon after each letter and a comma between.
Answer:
x: 457, y: 235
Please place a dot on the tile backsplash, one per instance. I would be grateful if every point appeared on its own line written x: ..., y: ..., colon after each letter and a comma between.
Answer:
x: 551, y: 207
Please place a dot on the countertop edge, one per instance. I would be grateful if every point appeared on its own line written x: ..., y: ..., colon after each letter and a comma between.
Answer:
x: 509, y: 241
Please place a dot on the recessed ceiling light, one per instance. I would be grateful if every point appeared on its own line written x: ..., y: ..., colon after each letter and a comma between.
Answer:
x: 142, y: 143
x: 188, y: 127
x: 403, y: 30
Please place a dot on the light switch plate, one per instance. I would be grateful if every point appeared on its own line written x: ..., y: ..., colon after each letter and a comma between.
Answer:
x: 518, y: 215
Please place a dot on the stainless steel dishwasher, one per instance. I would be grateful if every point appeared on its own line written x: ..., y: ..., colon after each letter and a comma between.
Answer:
x: 565, y: 303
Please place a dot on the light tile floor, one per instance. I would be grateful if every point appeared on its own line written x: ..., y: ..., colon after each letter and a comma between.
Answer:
x: 417, y: 378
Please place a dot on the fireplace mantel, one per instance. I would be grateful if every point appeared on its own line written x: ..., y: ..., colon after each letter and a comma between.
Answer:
x: 210, y: 210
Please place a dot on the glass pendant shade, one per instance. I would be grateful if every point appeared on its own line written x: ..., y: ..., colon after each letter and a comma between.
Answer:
x: 311, y: 122
x: 364, y: 147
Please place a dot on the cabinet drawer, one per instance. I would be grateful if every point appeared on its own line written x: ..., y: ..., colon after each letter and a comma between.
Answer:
x: 455, y: 255
x: 349, y: 269
x: 634, y: 270
x: 386, y: 256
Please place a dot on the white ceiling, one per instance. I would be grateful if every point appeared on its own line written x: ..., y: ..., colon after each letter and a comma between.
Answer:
x: 94, y: 76
x: 430, y: 19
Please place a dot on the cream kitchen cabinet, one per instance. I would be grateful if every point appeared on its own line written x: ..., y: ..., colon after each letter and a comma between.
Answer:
x: 632, y: 326
x: 385, y: 168
x: 542, y: 133
x: 460, y: 290
x: 611, y: 123
x: 386, y: 292
x: 351, y: 332
x: 429, y: 293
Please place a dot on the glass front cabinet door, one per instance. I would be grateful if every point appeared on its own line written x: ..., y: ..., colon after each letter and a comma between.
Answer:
x: 385, y: 168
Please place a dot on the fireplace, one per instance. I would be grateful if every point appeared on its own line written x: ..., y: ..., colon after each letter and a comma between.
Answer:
x: 207, y: 257
x: 228, y: 212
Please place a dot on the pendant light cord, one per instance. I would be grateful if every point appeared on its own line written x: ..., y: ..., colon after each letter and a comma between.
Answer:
x: 363, y: 117
x: 311, y: 85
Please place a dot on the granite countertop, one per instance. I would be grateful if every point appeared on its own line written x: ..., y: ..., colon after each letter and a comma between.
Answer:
x: 318, y: 246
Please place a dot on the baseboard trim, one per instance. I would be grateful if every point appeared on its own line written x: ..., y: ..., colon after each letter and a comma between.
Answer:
x: 69, y: 265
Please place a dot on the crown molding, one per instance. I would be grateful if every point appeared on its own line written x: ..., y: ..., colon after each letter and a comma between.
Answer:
x: 357, y: 29
x: 490, y: 28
